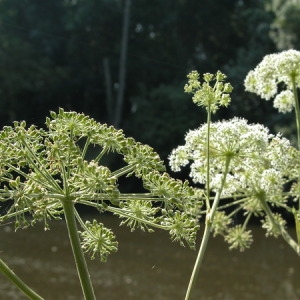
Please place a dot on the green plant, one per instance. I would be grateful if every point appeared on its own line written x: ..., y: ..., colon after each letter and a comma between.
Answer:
x: 243, y: 167
x: 46, y: 172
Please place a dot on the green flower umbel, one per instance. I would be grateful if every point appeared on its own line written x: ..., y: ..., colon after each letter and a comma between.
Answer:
x: 212, y: 93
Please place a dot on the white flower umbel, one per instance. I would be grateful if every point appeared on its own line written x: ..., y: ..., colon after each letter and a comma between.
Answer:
x: 281, y: 68
x: 259, y: 162
x: 278, y: 76
x: 235, y: 139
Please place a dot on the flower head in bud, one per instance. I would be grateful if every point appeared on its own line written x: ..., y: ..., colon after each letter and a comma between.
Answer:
x: 212, y: 93
x: 98, y: 240
x: 239, y: 238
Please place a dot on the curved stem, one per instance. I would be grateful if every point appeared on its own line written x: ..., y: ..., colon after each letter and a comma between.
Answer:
x: 123, y: 171
x: 208, y: 227
x: 18, y: 282
x: 233, y: 203
x: 247, y: 220
x: 199, y: 259
x: 86, y: 145
x: 25, y: 175
x: 120, y: 212
x: 82, y: 270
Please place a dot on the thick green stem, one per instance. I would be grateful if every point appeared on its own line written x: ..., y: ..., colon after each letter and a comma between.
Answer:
x: 18, y: 282
x: 208, y: 227
x: 82, y: 270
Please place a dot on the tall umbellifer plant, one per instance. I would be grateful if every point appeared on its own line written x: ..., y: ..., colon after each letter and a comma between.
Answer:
x: 44, y: 173
x: 243, y: 167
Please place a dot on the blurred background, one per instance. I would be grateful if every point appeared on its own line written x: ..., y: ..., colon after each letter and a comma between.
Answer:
x: 124, y: 62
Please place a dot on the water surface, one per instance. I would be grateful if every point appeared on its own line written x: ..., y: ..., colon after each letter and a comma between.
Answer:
x: 149, y: 266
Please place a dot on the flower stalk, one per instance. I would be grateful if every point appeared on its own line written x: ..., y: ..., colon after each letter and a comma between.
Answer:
x: 207, y: 231
x: 208, y: 158
x: 81, y: 266
x: 18, y: 282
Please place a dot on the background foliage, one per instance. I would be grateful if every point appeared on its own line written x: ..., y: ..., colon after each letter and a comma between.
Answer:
x: 52, y: 55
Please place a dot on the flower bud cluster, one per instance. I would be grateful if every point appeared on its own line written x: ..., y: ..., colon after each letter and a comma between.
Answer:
x: 212, y: 92
x: 98, y: 240
x: 41, y: 169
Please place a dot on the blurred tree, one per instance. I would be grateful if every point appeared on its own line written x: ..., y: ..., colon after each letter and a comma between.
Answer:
x: 166, y: 115
x: 123, y: 65
x: 29, y: 76
x: 253, y: 23
x: 232, y: 36
x: 94, y: 34
x: 285, y: 29
x: 66, y: 53
x: 51, y: 55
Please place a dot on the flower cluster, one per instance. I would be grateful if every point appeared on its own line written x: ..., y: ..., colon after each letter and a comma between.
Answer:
x: 239, y: 238
x: 42, y: 169
x: 275, y: 69
x: 183, y: 228
x: 138, y: 214
x: 98, y: 240
x: 256, y: 164
x: 248, y: 148
x: 212, y: 93
x: 174, y: 193
x: 269, y: 226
